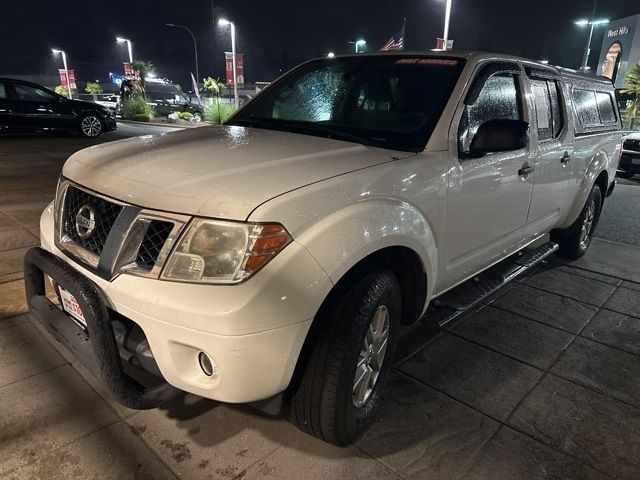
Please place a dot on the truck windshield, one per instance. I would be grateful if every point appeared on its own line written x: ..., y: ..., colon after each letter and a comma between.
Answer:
x: 387, y: 101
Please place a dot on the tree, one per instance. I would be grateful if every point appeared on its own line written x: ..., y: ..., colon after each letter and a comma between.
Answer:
x: 632, y: 87
x: 94, y: 89
x: 215, y: 86
x: 143, y: 68
x: 63, y: 91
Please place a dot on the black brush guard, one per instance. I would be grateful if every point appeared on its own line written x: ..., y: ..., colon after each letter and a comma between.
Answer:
x: 106, y: 343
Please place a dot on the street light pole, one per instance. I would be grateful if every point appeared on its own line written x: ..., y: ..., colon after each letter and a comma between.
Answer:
x: 129, y: 47
x: 447, y: 19
x: 233, y: 56
x: 195, y: 46
x: 66, y: 70
x: 357, y: 44
x: 587, y: 51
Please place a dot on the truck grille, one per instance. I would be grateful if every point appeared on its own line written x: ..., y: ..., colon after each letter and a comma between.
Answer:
x: 104, y: 216
x: 632, y: 145
x: 91, y: 227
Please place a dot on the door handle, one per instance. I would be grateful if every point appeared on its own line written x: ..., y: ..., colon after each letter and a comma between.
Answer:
x: 566, y: 158
x: 525, y: 170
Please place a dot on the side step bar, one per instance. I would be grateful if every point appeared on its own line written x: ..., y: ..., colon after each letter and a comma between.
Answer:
x: 464, y: 297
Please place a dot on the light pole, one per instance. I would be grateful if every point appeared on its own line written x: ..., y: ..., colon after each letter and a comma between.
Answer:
x: 223, y: 22
x: 447, y: 19
x: 587, y: 50
x: 357, y: 44
x: 129, y: 47
x: 195, y: 46
x: 55, y: 51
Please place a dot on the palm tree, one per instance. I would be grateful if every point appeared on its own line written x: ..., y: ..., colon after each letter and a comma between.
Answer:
x: 94, y: 89
x: 632, y: 84
x: 143, y: 68
x: 215, y: 86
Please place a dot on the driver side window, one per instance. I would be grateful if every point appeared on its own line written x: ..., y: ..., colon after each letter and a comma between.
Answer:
x: 499, y: 99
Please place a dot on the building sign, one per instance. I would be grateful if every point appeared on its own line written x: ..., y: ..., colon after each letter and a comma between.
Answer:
x: 63, y: 78
x: 128, y: 71
x: 620, y: 49
x: 618, y: 31
x: 239, y: 68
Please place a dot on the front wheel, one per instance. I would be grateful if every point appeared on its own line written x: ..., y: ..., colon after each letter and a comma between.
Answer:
x: 574, y: 241
x: 340, y: 391
x: 91, y: 125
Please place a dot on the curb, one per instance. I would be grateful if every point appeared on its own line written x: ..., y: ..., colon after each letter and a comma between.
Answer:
x: 168, y: 125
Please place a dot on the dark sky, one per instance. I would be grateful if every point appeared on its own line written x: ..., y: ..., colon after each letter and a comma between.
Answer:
x: 277, y: 34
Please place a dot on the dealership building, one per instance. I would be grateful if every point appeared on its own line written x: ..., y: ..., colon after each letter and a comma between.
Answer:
x: 620, y: 49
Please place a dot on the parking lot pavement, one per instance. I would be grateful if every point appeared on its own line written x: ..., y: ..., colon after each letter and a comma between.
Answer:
x: 540, y: 382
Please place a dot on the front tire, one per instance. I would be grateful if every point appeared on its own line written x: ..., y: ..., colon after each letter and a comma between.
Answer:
x: 91, y: 125
x: 340, y: 391
x: 575, y: 241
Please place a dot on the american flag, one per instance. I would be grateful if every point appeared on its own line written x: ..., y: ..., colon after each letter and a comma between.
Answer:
x: 396, y: 42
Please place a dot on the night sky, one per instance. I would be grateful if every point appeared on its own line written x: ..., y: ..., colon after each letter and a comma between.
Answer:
x: 277, y: 34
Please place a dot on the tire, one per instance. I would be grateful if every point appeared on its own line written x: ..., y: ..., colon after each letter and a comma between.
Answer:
x: 626, y: 175
x: 574, y: 241
x: 326, y: 402
x: 91, y: 125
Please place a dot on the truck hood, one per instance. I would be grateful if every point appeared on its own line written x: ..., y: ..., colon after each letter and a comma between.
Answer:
x: 222, y: 172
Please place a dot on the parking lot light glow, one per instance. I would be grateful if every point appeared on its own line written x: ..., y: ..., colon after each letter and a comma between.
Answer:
x: 331, y: 55
x: 129, y: 46
x: 587, y: 51
x: 56, y: 51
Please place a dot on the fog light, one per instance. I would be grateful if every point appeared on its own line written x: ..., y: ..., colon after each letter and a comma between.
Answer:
x: 207, y: 365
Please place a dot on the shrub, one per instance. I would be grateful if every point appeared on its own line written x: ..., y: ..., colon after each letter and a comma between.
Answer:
x: 218, y: 112
x: 60, y: 90
x: 94, y: 89
x: 142, y: 117
x: 188, y: 116
x: 137, y: 107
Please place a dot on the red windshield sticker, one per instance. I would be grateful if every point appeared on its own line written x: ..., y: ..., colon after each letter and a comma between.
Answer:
x: 427, y: 61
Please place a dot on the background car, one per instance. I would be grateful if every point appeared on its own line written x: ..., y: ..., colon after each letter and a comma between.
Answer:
x: 167, y: 99
x: 111, y: 101
x: 630, y: 159
x: 27, y: 107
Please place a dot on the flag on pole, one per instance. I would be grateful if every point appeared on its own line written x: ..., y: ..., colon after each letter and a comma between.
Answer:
x: 397, y: 41
x: 196, y: 88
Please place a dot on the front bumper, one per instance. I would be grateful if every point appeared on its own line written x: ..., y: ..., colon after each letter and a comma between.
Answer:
x: 630, y: 161
x: 253, y: 332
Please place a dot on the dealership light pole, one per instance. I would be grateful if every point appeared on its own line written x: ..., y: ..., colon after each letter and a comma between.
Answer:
x: 358, y: 43
x: 587, y: 50
x: 447, y: 20
x: 55, y: 51
x: 223, y: 23
x: 129, y: 47
x: 195, y: 46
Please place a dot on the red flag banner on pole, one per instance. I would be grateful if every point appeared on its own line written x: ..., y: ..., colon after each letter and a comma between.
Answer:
x: 239, y: 68
x: 229, y: 67
x: 63, y: 78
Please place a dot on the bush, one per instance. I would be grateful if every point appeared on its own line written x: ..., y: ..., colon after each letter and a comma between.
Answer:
x: 218, y: 112
x: 188, y: 116
x: 137, y: 107
x: 142, y: 117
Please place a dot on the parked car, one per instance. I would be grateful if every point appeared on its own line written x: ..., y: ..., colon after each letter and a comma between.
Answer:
x: 167, y: 99
x: 274, y: 260
x: 630, y: 161
x: 110, y: 101
x: 27, y: 107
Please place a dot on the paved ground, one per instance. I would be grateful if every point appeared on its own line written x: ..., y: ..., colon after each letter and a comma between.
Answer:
x: 541, y: 383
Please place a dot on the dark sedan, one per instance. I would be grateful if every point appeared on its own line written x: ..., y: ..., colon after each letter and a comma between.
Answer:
x: 27, y: 107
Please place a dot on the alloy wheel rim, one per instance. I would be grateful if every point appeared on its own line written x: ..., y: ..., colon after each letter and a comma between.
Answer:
x: 587, y: 225
x: 91, y: 126
x: 371, y: 358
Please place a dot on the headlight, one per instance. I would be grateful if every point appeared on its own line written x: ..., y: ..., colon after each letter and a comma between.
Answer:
x: 213, y: 251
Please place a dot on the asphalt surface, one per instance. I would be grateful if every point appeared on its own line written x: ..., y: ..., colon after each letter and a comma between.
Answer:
x: 620, y: 219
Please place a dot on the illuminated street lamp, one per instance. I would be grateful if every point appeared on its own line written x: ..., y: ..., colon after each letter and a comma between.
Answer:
x: 447, y: 19
x: 223, y: 22
x: 331, y: 55
x: 129, y: 46
x: 587, y: 50
x: 359, y: 43
x: 55, y: 51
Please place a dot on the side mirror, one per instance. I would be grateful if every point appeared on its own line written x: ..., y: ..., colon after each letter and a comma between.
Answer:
x: 500, y: 136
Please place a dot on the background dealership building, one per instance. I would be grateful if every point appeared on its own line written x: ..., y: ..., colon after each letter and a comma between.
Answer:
x: 620, y: 49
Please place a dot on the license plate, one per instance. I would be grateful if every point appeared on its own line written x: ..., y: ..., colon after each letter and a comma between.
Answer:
x: 71, y: 306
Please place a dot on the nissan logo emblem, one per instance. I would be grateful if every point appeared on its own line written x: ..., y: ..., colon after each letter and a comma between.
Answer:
x: 85, y: 221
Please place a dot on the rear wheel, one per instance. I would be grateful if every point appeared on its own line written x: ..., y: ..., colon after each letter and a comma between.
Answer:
x: 91, y: 125
x: 340, y: 391
x: 574, y: 241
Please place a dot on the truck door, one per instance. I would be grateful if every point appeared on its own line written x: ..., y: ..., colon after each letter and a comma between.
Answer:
x: 553, y: 189
x: 488, y: 197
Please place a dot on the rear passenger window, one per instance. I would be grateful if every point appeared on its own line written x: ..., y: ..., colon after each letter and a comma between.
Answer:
x: 3, y: 92
x: 548, y: 108
x: 606, y: 108
x: 498, y: 100
x: 586, y: 107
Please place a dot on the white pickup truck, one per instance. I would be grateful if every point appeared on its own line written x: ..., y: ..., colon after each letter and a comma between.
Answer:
x: 275, y: 259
